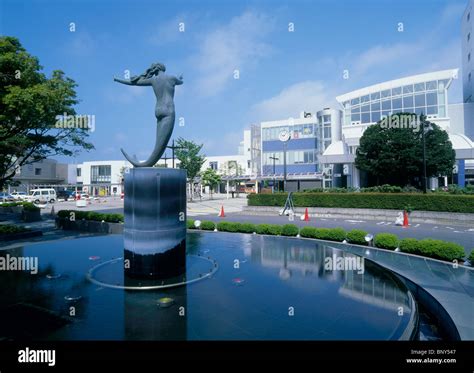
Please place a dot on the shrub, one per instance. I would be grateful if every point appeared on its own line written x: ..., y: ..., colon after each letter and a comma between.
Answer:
x: 246, y: 228
x: 330, y: 234
x: 190, y: 224
x: 357, y: 236
x: 227, y: 226
x: 28, y: 206
x: 95, y: 216
x: 382, y: 189
x: 394, y: 201
x: 336, y: 234
x: 6, y: 229
x: 207, y: 225
x: 436, y: 249
x: 471, y: 257
x: 113, y: 218
x: 387, y: 241
x: 270, y: 229
x: 289, y: 230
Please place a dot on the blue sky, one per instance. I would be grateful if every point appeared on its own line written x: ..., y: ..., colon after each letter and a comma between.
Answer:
x: 281, y: 73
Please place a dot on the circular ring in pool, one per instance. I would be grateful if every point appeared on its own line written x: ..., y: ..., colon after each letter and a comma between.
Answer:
x: 213, y: 268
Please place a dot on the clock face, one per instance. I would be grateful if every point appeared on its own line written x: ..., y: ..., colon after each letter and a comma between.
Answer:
x: 284, y: 135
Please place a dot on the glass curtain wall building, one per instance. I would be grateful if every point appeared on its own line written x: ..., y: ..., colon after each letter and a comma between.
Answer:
x: 420, y: 94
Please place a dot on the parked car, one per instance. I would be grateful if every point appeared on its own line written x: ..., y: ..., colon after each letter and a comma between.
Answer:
x: 6, y: 197
x: 41, y: 195
x: 19, y: 195
x: 64, y: 195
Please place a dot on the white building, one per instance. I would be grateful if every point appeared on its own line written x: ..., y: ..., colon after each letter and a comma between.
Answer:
x: 420, y: 94
x: 100, y: 178
x: 225, y: 164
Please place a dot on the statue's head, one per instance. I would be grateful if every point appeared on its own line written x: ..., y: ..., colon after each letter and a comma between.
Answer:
x: 153, y: 70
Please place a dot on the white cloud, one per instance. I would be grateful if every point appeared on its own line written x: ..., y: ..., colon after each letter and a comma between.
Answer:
x: 169, y: 32
x: 430, y: 51
x: 309, y: 96
x: 237, y: 45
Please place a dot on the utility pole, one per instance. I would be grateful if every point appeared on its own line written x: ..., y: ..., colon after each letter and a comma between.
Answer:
x: 173, y: 147
x: 274, y: 179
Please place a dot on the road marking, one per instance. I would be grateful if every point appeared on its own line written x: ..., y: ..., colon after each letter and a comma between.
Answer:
x: 381, y: 223
x: 449, y: 228
x: 355, y: 221
x: 470, y: 230
x: 416, y: 226
x: 457, y: 232
x: 389, y: 223
x: 435, y: 227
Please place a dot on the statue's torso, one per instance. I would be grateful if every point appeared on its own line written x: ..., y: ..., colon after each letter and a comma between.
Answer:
x: 163, y: 86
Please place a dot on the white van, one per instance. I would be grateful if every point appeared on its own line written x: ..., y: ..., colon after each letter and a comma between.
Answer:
x: 41, y: 195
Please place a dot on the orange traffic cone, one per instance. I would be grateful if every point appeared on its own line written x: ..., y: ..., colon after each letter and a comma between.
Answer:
x: 306, y: 215
x: 221, y: 214
x: 405, y: 219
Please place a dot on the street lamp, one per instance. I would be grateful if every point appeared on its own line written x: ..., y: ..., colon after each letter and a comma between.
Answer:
x: 284, y: 137
x: 274, y: 180
x: 424, y: 152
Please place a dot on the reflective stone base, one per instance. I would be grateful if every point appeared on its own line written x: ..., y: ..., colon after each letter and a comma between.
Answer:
x: 170, y: 263
x: 155, y: 223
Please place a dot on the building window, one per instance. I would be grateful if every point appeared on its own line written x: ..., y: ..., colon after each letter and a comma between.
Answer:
x: 79, y: 172
x: 213, y: 165
x: 468, y: 16
x: 469, y: 37
x: 469, y: 77
x: 101, y: 174
x: 468, y: 57
x: 37, y: 171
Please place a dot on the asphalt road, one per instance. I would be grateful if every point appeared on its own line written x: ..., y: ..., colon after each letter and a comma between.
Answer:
x: 461, y: 235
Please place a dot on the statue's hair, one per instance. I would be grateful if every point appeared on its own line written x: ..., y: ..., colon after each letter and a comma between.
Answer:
x: 154, y: 69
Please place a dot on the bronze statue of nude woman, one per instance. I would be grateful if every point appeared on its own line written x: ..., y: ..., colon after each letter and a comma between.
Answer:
x: 163, y: 86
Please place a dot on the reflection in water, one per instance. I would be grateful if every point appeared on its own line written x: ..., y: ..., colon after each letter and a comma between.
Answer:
x: 279, y: 273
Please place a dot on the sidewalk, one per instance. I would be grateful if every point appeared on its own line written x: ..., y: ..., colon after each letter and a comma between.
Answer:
x: 208, y: 206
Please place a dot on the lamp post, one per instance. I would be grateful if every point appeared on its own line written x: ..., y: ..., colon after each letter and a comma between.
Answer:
x: 424, y: 153
x: 284, y: 137
x: 274, y: 180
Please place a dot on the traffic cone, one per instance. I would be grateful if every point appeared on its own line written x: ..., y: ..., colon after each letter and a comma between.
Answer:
x: 405, y: 219
x: 306, y: 215
x: 221, y: 214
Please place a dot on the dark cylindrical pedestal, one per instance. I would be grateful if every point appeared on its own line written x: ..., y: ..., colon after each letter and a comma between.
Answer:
x: 155, y: 223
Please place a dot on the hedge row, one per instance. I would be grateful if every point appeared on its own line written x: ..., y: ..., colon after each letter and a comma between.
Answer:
x: 436, y: 249
x: 393, y: 201
x: 430, y: 248
x: 27, y: 206
x: 6, y: 229
x: 90, y: 215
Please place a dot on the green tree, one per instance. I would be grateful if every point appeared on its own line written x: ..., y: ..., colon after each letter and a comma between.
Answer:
x: 30, y: 103
x: 211, y: 179
x: 189, y: 158
x: 393, y: 154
